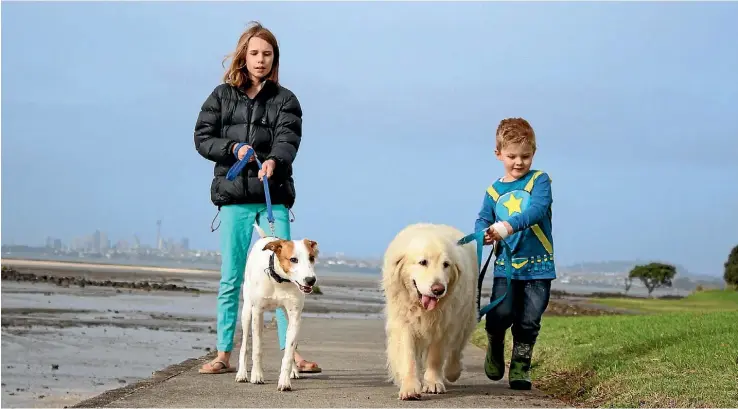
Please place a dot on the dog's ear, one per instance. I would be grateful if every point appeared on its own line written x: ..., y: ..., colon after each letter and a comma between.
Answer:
x: 399, y: 262
x: 312, y: 247
x: 455, y: 272
x: 274, y: 246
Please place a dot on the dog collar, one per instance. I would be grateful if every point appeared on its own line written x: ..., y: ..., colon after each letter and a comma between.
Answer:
x: 272, y: 273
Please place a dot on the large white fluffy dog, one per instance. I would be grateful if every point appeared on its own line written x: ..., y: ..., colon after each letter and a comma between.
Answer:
x: 278, y: 274
x: 430, y: 288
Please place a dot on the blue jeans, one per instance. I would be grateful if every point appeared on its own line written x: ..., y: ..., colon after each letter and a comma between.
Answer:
x: 521, y: 309
x: 236, y: 228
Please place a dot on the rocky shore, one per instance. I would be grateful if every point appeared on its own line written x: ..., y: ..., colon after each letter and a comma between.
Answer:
x: 10, y: 274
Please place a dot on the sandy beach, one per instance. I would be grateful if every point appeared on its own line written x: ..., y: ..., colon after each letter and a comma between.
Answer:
x: 71, y: 331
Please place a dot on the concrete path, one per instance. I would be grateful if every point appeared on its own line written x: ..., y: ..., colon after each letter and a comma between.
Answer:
x: 351, y: 353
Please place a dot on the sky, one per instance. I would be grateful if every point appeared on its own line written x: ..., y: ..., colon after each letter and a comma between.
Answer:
x: 635, y: 107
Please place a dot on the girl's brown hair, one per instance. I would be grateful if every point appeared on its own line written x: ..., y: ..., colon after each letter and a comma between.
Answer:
x: 236, y: 73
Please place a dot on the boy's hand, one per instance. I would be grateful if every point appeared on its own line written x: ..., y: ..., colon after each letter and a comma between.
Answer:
x: 492, y: 234
x: 488, y: 237
x: 496, y: 236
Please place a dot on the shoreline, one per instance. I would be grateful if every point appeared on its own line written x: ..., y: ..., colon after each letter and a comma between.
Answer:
x: 325, y: 277
x: 40, y: 263
x: 128, y: 267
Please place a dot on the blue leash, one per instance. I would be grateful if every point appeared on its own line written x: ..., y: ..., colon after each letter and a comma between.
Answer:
x: 478, y: 237
x: 237, y: 168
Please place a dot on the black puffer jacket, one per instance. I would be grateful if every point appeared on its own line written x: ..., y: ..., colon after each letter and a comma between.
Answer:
x: 271, y: 123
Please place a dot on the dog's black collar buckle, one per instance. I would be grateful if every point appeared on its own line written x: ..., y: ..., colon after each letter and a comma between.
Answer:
x: 279, y: 279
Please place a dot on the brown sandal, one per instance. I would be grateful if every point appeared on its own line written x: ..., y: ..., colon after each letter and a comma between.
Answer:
x: 305, y: 366
x: 222, y: 368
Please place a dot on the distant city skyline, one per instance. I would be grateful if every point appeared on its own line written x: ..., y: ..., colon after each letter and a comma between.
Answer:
x: 99, y: 240
x: 633, y: 104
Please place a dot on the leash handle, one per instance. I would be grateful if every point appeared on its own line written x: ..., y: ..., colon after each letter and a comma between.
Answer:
x: 508, y: 278
x: 480, y: 280
x: 238, y: 167
x: 478, y: 238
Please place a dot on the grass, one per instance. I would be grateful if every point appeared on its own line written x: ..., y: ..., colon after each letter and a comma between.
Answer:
x: 715, y: 300
x: 683, y: 355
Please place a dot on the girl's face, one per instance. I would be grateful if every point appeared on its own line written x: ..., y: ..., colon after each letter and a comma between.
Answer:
x: 259, y: 59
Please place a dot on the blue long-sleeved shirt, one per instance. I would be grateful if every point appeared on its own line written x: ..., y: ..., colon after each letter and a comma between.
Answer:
x: 525, y: 204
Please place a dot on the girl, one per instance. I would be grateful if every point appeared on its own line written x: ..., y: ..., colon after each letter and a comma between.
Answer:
x: 250, y: 110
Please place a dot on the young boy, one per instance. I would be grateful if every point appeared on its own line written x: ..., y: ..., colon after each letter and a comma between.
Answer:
x: 517, y: 209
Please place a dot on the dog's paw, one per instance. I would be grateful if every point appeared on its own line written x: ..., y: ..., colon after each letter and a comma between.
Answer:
x: 434, y: 386
x: 257, y: 376
x: 294, y: 373
x: 284, y: 385
x: 242, y: 376
x: 453, y: 371
x: 410, y: 391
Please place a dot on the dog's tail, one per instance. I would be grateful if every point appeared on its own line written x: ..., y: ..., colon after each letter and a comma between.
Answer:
x: 261, y: 231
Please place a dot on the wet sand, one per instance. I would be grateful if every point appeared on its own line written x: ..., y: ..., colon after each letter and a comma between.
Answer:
x: 71, y: 331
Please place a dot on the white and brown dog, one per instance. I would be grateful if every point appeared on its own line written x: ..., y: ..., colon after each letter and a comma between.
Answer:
x: 278, y: 274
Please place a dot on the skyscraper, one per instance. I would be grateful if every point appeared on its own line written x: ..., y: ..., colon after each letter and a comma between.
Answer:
x: 158, y: 234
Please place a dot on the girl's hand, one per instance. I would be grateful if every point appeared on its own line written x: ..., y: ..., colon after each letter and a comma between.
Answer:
x: 242, y: 152
x: 267, y: 168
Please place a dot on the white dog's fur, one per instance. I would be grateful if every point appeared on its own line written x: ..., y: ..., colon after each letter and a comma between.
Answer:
x: 294, y: 260
x: 427, y: 329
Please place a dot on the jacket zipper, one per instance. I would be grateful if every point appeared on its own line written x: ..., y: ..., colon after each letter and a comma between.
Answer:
x: 250, y: 107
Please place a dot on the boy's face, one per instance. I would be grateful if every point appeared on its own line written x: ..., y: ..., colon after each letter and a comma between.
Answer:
x: 516, y: 158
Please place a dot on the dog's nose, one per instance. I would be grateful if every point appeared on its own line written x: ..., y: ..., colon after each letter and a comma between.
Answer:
x: 310, y: 281
x: 438, y: 289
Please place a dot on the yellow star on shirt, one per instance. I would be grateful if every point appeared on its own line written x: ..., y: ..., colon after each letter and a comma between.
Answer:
x: 513, y: 204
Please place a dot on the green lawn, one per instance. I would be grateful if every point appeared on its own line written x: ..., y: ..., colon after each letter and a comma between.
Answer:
x: 717, y: 300
x: 665, y: 359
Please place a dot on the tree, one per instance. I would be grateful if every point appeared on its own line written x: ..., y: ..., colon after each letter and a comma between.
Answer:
x: 628, y: 283
x: 654, y: 275
x: 731, y: 268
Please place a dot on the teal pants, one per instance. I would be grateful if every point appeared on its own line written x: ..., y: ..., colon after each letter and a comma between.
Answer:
x: 236, y: 228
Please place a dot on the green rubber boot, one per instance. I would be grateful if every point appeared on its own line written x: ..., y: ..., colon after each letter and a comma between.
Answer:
x: 519, y: 376
x: 494, y: 362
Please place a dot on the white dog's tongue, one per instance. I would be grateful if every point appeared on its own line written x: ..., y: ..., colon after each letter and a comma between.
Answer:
x: 429, y: 303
